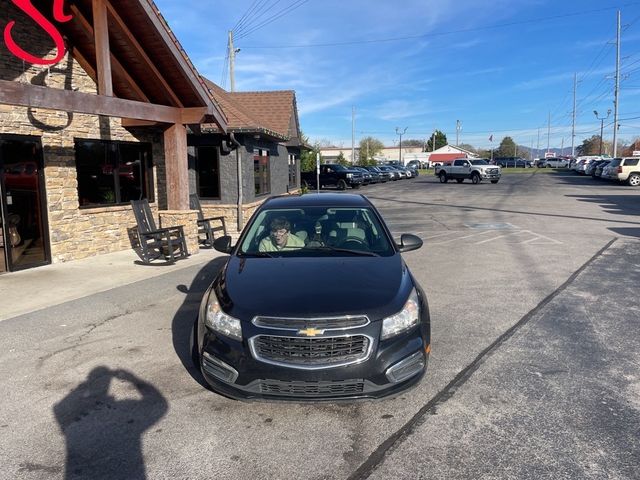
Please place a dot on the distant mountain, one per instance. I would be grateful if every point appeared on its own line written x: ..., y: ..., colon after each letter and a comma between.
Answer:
x: 539, y: 153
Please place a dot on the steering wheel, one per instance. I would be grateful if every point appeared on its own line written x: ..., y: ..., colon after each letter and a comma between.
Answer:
x: 354, y: 243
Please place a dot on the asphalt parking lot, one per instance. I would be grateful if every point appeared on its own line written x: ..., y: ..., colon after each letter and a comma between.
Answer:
x: 532, y: 285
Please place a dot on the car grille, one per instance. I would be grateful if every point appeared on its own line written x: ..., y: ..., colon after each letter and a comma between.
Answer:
x: 335, y: 323
x: 311, y: 389
x: 492, y: 171
x: 323, y: 351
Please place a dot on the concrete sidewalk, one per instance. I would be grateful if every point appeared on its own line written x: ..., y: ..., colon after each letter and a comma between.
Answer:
x: 37, y: 288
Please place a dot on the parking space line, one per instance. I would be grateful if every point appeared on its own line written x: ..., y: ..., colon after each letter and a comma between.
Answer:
x: 538, y: 237
x: 501, y: 236
x: 466, y: 236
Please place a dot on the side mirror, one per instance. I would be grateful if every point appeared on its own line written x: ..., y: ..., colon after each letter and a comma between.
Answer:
x: 223, y: 244
x: 409, y: 242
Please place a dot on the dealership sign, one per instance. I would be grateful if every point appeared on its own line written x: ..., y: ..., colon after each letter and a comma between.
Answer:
x: 32, y: 12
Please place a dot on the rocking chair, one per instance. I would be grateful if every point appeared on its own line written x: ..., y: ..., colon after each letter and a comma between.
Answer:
x: 204, y: 224
x: 168, y: 243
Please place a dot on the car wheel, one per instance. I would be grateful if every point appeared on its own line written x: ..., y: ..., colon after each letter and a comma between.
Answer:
x: 342, y: 185
x: 634, y: 180
x: 494, y: 181
x: 355, y: 186
x: 443, y: 177
x: 459, y: 180
x: 475, y: 178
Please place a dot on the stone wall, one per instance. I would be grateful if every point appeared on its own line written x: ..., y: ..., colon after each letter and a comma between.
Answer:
x: 74, y: 233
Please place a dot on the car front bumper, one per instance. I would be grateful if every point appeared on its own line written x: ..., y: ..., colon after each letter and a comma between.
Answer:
x: 231, y: 368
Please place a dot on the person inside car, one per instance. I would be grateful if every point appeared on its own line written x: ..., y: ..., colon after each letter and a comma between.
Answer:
x: 280, y: 237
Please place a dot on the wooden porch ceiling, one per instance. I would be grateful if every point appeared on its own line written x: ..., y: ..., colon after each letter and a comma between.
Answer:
x: 147, y: 62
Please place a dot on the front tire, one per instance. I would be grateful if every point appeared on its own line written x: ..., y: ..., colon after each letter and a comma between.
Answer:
x: 634, y: 180
x: 443, y: 177
x: 342, y: 185
x: 475, y: 179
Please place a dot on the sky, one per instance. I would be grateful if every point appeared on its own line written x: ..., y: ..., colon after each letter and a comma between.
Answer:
x: 498, y: 67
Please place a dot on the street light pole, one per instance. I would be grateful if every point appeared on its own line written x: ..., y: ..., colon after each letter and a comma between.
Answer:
x: 398, y: 132
x: 602, y: 125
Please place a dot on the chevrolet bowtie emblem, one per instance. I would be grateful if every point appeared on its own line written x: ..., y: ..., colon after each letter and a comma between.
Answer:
x: 310, y: 332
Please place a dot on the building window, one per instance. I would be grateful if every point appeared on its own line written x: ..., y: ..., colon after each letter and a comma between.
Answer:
x: 112, y: 173
x: 261, y: 173
x: 293, y: 171
x: 208, y: 172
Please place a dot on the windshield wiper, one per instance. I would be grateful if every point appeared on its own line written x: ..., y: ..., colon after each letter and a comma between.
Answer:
x: 329, y: 248
x: 255, y: 254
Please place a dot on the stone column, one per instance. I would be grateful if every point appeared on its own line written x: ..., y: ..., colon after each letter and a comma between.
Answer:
x: 189, y: 221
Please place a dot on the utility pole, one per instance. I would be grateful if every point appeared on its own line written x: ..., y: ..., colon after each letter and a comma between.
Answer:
x: 232, y: 61
x: 458, y: 129
x: 602, y: 119
x: 548, y: 132
x: 616, y: 92
x: 573, y: 122
x: 433, y: 140
x: 401, y: 133
x: 353, y: 135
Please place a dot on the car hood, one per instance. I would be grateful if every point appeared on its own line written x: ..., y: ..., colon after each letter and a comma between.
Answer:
x: 311, y: 287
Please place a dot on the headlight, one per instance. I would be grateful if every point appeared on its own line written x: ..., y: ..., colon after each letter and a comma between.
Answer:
x: 219, y: 321
x: 349, y: 175
x: 405, y: 319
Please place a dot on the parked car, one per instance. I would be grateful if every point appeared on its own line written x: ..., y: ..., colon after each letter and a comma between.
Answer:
x: 395, y: 174
x: 597, y: 171
x: 475, y: 170
x: 553, y: 162
x: 383, y: 176
x: 512, y: 162
x: 414, y: 164
x: 338, y: 317
x: 624, y: 170
x: 334, y: 175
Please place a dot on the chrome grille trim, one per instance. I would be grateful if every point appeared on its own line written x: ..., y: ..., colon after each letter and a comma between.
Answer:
x: 302, y: 366
x: 328, y: 324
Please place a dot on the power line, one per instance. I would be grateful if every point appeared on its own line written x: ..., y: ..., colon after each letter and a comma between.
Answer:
x: 260, y: 12
x: 273, y: 18
x: 450, y: 32
x: 246, y: 14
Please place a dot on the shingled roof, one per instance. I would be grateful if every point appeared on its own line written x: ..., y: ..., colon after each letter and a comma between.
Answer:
x: 273, y: 113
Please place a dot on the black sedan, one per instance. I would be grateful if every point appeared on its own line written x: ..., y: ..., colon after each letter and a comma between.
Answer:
x: 314, y: 303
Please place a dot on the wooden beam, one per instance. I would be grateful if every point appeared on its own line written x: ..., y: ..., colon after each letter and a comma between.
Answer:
x: 117, y: 66
x: 177, y: 167
x: 132, y: 122
x: 194, y: 115
x: 27, y: 95
x: 101, y: 36
x: 143, y: 55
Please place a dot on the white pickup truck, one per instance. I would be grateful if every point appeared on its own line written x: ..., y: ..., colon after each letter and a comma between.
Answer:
x: 474, y: 169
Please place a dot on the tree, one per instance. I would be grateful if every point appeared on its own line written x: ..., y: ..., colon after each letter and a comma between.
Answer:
x: 368, y: 148
x: 468, y: 147
x: 591, y: 146
x: 412, y: 142
x: 342, y: 159
x: 627, y: 150
x: 441, y: 141
x: 507, y: 148
x: 308, y: 157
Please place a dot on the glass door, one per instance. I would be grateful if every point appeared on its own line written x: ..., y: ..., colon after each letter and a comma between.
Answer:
x: 24, y: 222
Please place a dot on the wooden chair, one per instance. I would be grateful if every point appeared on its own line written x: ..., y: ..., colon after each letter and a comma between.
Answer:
x: 157, y: 242
x: 204, y: 224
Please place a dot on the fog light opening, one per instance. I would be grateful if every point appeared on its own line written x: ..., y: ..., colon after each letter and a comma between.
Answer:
x: 406, y: 368
x: 218, y: 369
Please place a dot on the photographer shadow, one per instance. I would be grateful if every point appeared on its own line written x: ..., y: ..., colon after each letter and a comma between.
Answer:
x: 103, y: 433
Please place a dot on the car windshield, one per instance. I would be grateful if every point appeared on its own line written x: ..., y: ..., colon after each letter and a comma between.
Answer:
x: 479, y: 162
x: 316, y: 231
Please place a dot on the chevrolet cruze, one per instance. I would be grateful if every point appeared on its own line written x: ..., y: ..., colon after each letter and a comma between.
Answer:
x: 314, y: 303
